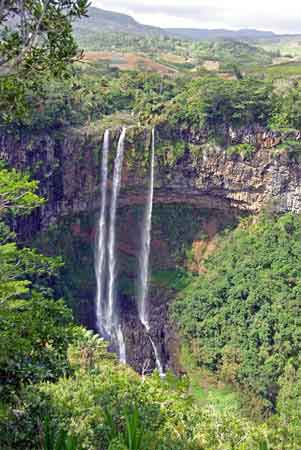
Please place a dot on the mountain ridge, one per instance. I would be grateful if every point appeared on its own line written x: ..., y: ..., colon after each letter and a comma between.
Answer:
x: 101, y: 20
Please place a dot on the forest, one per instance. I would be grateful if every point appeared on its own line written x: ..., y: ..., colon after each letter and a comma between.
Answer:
x: 233, y: 295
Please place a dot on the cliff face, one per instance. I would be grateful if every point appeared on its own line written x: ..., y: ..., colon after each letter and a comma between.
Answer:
x: 200, y: 189
x: 202, y: 173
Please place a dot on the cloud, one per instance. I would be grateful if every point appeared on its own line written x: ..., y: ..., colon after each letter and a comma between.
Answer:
x: 170, y: 9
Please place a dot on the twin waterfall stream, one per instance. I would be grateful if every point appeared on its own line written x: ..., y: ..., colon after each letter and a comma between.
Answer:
x: 108, y: 320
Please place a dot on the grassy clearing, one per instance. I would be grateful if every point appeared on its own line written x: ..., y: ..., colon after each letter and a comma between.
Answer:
x: 206, y: 390
x: 283, y: 71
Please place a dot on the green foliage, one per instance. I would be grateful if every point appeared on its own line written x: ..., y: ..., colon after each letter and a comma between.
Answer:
x: 170, y: 152
x: 94, y: 93
x: 52, y: 440
x: 36, y: 41
x: 109, y: 406
x: 287, y: 109
x: 22, y: 269
x: 242, y: 316
x: 90, y: 94
x: 34, y: 337
x: 212, y: 103
x: 76, y: 280
x: 172, y: 221
x: 230, y: 52
x: 110, y: 41
x: 87, y: 350
x: 106, y: 405
x: 133, y: 437
x: 244, y: 150
x: 34, y: 328
x: 37, y: 36
x: 171, y: 279
x: 289, y: 399
x: 17, y: 197
x: 17, y: 192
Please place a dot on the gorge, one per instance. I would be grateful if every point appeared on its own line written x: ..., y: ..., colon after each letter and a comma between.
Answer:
x: 205, y: 181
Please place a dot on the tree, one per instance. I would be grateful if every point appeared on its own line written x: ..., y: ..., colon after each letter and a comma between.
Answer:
x: 36, y: 35
x: 287, y: 109
x: 36, y: 42
x: 213, y: 103
x: 35, y: 329
x: 17, y: 197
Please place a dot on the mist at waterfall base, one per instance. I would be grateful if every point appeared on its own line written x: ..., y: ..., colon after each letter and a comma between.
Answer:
x: 108, y: 320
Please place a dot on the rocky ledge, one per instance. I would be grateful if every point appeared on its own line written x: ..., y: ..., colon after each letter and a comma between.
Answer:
x: 205, y: 174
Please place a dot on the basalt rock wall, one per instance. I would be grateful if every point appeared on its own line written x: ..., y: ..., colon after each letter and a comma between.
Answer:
x: 203, y: 173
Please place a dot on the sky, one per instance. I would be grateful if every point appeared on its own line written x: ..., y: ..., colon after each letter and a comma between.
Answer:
x: 273, y: 15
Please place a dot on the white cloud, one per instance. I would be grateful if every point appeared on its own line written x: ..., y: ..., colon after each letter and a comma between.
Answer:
x: 282, y: 17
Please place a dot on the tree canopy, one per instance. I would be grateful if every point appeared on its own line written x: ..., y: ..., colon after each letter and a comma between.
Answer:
x: 243, y: 315
x: 36, y: 41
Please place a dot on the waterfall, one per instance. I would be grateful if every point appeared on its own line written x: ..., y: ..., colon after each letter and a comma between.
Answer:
x: 101, y: 238
x: 143, y: 307
x: 121, y: 344
x: 158, y: 361
x: 112, y: 319
x: 145, y: 246
x: 107, y: 315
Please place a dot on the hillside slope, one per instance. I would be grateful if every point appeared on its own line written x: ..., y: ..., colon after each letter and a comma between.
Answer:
x: 102, y: 21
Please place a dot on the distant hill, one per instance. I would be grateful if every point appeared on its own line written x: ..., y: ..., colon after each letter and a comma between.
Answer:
x: 102, y: 21
x: 104, y: 30
x: 205, y: 34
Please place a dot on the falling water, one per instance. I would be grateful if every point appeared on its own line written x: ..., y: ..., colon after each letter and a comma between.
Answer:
x: 108, y: 320
x: 112, y: 321
x: 121, y: 344
x: 145, y: 246
x: 158, y: 361
x: 101, y: 238
x: 144, y: 258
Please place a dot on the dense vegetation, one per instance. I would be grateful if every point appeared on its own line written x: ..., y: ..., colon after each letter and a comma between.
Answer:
x: 208, y: 102
x: 112, y: 41
x: 34, y: 327
x: 106, y: 406
x: 212, y: 103
x: 230, y: 52
x: 243, y: 315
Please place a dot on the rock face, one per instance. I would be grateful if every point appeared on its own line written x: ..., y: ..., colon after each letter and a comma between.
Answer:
x: 68, y: 167
x: 200, y: 188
